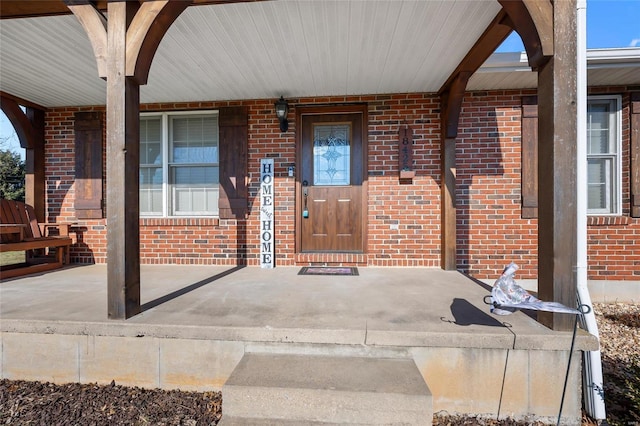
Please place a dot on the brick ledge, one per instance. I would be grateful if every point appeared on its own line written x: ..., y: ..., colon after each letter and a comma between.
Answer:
x: 608, y: 220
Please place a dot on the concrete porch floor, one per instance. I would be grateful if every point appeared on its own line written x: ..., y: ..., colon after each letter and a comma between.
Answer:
x: 436, y: 317
x: 381, y: 306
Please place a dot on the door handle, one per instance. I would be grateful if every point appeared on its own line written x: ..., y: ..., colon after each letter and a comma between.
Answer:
x: 305, y: 194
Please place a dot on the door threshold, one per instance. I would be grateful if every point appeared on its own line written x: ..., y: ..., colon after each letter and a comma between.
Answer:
x: 331, y: 259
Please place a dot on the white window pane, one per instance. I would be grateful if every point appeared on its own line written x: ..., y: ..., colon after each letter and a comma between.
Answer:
x: 180, y: 129
x: 195, y: 190
x: 151, y: 201
x: 601, y: 126
x: 187, y: 139
x: 603, y: 155
x: 151, y: 190
x: 199, y: 200
x: 151, y: 140
x: 182, y: 200
x: 599, y: 181
x: 212, y: 200
x: 195, y: 201
x: 598, y: 141
x: 194, y: 139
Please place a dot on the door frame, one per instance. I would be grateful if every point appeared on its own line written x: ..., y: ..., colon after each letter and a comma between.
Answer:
x: 355, y: 108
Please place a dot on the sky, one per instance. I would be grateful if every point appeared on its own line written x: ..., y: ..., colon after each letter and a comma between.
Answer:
x: 610, y: 24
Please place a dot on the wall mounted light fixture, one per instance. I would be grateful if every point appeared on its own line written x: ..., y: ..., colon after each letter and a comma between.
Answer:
x: 282, y: 109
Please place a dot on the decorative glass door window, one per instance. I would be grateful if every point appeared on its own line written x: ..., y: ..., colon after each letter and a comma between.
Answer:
x: 332, y: 154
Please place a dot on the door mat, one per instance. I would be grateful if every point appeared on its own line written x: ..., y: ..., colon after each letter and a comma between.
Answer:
x: 328, y: 270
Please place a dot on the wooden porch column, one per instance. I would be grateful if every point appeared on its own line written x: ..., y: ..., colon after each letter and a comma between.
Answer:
x: 123, y: 153
x: 557, y: 130
x: 29, y: 126
x: 452, y: 95
x: 450, y: 106
x: 124, y: 46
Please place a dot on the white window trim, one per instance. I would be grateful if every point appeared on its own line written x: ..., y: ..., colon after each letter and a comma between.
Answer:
x: 166, y: 196
x: 617, y: 208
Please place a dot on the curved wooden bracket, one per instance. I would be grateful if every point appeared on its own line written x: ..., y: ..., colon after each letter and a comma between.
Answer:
x: 533, y: 21
x: 451, y: 104
x: 95, y: 25
x: 23, y: 126
x: 145, y: 32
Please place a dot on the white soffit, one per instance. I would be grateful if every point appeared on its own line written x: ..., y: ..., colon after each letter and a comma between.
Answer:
x: 257, y: 50
x: 605, y: 67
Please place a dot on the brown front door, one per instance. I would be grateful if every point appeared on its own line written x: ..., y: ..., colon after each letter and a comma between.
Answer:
x: 330, y: 196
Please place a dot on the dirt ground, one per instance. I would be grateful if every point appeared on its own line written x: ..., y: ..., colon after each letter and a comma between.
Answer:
x: 35, y: 403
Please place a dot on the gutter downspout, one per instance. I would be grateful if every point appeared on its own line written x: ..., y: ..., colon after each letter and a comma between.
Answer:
x: 592, y: 382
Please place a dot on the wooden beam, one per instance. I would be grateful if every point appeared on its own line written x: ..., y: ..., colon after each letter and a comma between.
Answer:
x: 557, y: 122
x: 497, y: 31
x: 533, y: 20
x: 10, y: 9
x: 21, y: 101
x: 94, y: 23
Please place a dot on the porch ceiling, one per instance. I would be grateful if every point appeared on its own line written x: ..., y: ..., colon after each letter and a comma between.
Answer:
x: 257, y: 50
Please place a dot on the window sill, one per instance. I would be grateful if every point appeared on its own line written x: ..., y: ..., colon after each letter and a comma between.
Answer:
x: 179, y: 221
x: 608, y: 220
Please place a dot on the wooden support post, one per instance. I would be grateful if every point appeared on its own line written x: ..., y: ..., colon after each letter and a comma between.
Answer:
x: 557, y: 224
x: 448, y: 228
x: 452, y: 94
x: 123, y: 232
x: 34, y: 165
x: 29, y: 126
x: 124, y: 46
x: 450, y: 107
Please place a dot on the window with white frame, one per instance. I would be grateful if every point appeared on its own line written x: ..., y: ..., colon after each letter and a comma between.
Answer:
x: 604, y: 155
x: 179, y: 170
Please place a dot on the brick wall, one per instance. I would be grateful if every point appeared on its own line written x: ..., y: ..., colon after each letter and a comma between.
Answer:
x: 403, y: 222
x: 491, y: 232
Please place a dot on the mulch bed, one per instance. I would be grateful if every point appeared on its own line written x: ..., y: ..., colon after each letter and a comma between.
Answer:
x: 35, y: 403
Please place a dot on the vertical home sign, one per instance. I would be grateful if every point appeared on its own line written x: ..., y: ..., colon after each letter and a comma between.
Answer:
x: 267, y: 249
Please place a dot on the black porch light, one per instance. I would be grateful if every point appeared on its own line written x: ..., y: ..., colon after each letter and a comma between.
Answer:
x: 282, y: 109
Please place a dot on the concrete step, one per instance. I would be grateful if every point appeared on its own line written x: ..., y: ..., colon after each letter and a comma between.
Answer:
x: 306, y: 389
x: 244, y: 421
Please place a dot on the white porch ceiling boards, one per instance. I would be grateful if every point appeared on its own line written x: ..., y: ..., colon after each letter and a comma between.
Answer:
x: 284, y: 47
x: 257, y: 50
x: 49, y: 61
